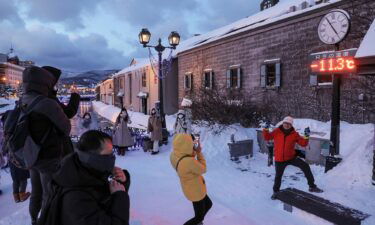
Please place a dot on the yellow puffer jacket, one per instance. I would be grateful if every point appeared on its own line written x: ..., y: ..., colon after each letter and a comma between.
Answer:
x: 190, y: 169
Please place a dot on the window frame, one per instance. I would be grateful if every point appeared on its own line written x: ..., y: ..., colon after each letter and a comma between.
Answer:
x: 210, y: 73
x: 229, y: 77
x: 189, y: 76
x: 264, y: 75
x: 144, y: 79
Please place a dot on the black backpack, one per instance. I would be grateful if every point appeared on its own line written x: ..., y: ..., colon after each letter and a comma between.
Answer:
x: 18, y: 143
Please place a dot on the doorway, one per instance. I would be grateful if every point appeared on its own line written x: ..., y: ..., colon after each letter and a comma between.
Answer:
x: 144, y: 105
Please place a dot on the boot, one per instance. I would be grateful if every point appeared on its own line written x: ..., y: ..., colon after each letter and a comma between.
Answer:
x: 24, y: 196
x: 315, y: 189
x: 16, y: 197
x: 274, y: 196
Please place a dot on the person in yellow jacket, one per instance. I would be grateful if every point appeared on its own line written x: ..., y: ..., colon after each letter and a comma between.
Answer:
x: 188, y: 161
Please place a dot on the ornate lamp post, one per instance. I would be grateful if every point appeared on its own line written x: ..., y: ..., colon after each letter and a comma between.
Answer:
x: 174, y: 40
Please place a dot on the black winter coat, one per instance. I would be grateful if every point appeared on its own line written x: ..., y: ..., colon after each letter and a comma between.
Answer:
x: 89, y: 200
x: 49, y: 117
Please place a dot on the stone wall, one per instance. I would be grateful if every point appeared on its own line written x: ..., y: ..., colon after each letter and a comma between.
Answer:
x: 291, y: 41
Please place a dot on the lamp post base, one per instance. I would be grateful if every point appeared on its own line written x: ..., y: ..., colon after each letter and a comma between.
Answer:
x: 331, y: 162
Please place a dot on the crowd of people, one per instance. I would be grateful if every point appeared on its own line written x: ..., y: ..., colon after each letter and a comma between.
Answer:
x: 81, y: 185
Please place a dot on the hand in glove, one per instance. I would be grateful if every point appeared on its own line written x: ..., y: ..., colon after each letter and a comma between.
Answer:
x: 307, y: 132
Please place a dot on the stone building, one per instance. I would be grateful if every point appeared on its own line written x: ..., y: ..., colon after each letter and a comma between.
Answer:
x: 266, y: 58
x: 107, y: 91
x: 136, y: 87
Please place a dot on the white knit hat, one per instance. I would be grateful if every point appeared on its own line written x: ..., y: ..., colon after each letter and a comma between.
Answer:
x: 288, y: 119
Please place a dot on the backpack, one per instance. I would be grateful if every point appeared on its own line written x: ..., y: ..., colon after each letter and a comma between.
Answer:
x: 51, y: 212
x: 18, y: 143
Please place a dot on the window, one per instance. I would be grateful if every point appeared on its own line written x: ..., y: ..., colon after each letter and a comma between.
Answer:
x: 208, y: 79
x: 144, y: 79
x: 188, y: 81
x: 130, y: 89
x: 121, y: 83
x: 234, y: 77
x: 270, y: 74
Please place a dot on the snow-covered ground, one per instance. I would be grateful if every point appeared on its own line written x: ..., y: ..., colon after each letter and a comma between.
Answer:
x: 239, y: 198
x: 7, y: 104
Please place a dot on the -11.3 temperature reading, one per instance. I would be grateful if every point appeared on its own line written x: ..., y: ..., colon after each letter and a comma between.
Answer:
x: 333, y: 65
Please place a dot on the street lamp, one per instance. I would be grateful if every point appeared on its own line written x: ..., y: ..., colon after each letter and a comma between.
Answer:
x: 174, y: 40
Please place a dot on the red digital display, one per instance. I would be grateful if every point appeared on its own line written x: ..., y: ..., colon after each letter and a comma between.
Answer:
x: 334, y: 65
x: 331, y: 62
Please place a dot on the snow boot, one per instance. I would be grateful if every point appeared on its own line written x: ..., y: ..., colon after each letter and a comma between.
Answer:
x: 24, y: 196
x: 155, y: 153
x: 274, y: 196
x: 16, y: 197
x: 315, y: 189
x: 1, y: 192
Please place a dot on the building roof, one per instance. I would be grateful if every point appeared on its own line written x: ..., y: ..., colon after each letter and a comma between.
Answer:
x: 136, y: 63
x: 367, y: 47
x: 280, y: 11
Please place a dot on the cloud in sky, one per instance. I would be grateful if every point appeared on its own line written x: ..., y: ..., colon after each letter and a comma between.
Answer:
x: 97, y: 34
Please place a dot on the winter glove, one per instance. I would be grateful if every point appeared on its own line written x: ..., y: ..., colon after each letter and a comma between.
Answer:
x: 307, y: 132
x: 267, y: 126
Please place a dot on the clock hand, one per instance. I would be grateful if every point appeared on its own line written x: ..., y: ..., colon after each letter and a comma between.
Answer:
x: 333, y: 28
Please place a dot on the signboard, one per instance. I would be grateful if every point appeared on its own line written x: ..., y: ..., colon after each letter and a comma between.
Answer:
x: 333, y: 62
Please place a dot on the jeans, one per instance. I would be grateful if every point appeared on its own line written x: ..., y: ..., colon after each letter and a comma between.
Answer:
x: 40, y: 187
x: 200, y: 209
x: 280, y: 167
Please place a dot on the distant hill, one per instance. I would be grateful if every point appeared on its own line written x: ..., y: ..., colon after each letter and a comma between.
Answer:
x: 86, y: 78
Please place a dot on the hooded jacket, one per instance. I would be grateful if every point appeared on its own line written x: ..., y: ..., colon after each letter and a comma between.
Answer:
x: 47, y: 117
x: 182, y: 125
x: 71, y: 109
x: 189, y: 169
x: 284, y: 143
x: 89, y: 200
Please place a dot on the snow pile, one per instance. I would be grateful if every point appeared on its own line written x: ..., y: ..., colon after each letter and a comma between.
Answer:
x: 139, y: 120
x: 109, y: 112
x: 367, y: 47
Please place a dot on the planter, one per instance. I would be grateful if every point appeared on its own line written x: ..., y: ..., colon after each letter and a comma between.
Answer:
x: 241, y: 148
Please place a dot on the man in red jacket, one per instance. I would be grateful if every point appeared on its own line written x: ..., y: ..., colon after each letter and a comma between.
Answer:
x: 285, y: 138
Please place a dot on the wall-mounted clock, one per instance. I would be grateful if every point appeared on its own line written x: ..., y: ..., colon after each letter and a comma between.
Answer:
x: 334, y: 27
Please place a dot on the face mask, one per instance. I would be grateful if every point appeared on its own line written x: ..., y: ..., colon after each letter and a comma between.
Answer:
x: 153, y: 112
x: 102, y: 163
x: 180, y: 116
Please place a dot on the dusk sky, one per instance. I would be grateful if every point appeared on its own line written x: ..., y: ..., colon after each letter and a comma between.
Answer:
x: 81, y: 35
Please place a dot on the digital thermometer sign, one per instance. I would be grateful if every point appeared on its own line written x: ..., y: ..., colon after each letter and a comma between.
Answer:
x: 333, y: 62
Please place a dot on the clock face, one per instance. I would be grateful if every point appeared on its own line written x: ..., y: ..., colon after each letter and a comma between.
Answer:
x: 334, y: 27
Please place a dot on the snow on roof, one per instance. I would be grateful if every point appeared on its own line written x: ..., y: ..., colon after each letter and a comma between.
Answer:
x: 270, y: 15
x: 367, y: 47
x: 138, y: 64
